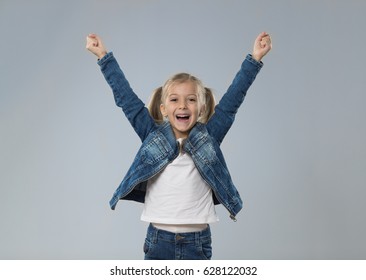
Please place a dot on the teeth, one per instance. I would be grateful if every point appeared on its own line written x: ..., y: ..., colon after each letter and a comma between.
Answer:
x: 182, y: 117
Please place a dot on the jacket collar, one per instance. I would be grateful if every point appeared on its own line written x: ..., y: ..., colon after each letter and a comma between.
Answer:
x: 196, y: 137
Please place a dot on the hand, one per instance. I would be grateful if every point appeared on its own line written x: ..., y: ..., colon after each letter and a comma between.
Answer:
x: 94, y: 44
x: 262, y: 46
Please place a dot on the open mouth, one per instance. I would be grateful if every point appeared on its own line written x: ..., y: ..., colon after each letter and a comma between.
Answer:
x: 182, y: 117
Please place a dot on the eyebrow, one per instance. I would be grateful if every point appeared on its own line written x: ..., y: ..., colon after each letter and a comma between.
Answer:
x: 173, y: 93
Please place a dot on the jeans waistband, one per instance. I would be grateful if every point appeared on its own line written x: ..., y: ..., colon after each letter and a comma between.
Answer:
x: 187, y: 237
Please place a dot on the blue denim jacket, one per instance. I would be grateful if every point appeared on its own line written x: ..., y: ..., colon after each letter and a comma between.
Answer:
x: 160, y: 147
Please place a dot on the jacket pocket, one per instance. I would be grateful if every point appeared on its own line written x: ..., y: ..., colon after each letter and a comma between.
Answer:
x: 154, y: 150
x: 207, y: 153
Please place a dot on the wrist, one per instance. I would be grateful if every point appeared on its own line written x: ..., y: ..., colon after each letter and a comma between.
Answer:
x: 101, y: 55
x: 257, y: 57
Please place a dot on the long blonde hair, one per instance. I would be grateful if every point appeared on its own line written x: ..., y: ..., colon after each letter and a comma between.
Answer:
x: 206, y: 99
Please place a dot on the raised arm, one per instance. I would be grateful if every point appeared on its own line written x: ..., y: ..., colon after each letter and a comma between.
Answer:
x: 124, y: 96
x: 226, y: 109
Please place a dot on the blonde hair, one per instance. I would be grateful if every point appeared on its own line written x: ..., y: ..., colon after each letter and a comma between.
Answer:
x: 206, y: 100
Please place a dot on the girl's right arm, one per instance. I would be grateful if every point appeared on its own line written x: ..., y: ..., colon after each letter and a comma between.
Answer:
x: 134, y: 109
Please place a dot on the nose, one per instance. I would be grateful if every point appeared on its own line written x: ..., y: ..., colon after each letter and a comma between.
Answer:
x: 182, y: 104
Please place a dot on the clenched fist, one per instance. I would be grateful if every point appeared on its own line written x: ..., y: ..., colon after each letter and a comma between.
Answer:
x: 262, y: 46
x: 95, y: 45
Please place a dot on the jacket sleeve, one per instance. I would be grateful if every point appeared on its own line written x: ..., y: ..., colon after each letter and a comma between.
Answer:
x: 226, y: 109
x: 134, y: 109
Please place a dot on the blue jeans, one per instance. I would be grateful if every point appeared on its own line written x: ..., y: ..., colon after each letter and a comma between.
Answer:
x: 165, y: 245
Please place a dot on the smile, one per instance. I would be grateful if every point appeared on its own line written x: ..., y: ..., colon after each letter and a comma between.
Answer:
x: 182, y: 117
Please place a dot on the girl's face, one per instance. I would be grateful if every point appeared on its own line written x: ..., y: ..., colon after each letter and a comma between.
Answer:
x: 182, y: 108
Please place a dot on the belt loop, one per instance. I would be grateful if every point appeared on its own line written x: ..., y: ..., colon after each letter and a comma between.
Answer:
x: 197, y: 238
x: 154, y: 234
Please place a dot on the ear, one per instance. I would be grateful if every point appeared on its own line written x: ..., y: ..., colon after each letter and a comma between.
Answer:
x: 202, y: 110
x: 163, y: 110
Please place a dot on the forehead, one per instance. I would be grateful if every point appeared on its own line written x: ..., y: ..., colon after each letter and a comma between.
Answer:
x: 186, y: 87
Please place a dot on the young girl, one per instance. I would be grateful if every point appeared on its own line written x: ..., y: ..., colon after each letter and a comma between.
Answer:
x: 179, y: 172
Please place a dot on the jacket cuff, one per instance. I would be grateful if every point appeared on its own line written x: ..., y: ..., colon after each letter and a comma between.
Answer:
x: 258, y: 64
x: 105, y: 58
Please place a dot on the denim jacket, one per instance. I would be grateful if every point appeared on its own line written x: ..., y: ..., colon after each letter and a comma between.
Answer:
x: 160, y: 147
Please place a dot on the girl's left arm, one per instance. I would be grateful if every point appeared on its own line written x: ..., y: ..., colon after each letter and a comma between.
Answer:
x: 229, y: 104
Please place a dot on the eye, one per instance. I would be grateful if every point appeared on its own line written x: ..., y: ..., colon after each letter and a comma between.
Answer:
x: 173, y: 99
x: 192, y: 99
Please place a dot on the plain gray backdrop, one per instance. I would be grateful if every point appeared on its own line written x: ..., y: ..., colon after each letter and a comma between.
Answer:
x: 296, y: 151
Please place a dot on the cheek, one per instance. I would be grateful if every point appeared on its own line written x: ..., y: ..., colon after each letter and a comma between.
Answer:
x: 169, y: 112
x: 195, y: 113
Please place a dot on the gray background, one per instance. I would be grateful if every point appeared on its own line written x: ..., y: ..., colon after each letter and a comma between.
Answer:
x: 296, y: 152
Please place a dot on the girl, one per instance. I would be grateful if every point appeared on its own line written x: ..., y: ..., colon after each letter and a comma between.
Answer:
x: 179, y: 172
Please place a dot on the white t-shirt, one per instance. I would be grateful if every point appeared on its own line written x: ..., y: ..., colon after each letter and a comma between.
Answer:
x: 179, y: 195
